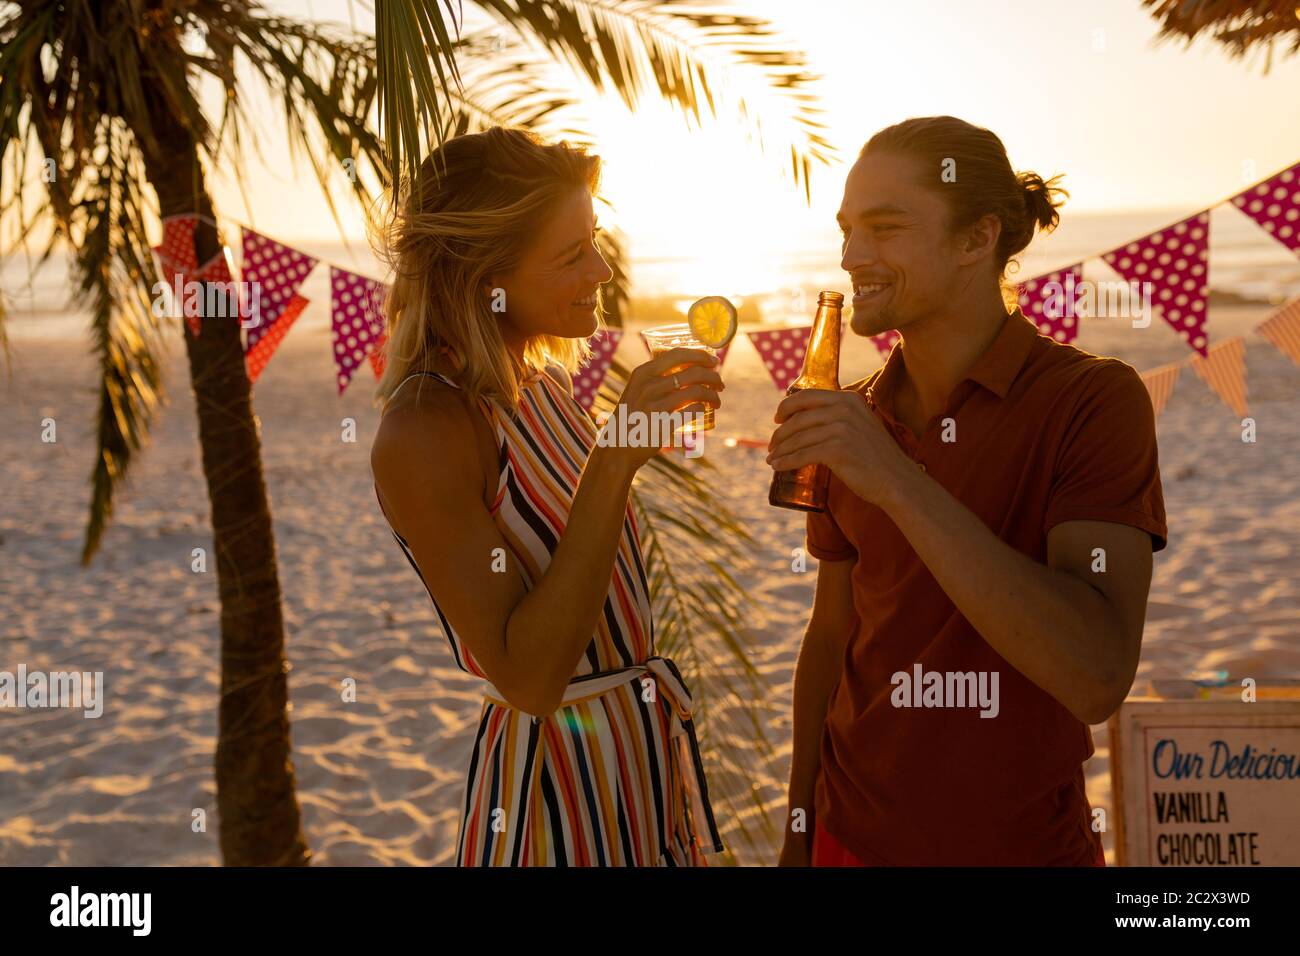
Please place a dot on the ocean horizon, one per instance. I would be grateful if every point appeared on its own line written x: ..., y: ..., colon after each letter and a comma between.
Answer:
x: 1245, y: 263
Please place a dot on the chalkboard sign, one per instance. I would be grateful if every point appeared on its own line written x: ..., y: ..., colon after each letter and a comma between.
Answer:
x: 1207, y: 782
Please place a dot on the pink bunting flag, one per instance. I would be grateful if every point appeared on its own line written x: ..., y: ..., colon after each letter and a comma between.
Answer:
x: 1282, y: 328
x: 782, y: 352
x: 275, y: 272
x: 589, y: 378
x: 356, y: 320
x: 1160, y: 384
x: 1049, y: 302
x: 1176, y: 262
x: 1224, y: 370
x: 885, y: 341
x: 1275, y: 205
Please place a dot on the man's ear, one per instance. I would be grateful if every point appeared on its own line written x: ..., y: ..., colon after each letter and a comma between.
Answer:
x: 981, y: 238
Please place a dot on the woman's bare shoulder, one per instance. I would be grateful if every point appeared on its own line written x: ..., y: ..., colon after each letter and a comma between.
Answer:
x: 561, y: 375
x: 427, y: 423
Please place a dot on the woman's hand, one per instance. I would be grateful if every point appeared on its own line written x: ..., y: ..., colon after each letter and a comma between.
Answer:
x: 674, y: 381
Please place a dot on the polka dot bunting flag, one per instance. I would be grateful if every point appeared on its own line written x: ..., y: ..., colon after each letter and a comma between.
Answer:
x: 276, y: 272
x: 356, y: 320
x: 782, y: 352
x: 1049, y: 302
x: 587, y: 382
x: 1176, y: 261
x: 177, y: 250
x: 176, y: 258
x: 1275, y: 205
x: 257, y: 356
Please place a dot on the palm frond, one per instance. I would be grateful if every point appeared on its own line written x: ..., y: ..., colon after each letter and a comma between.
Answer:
x: 326, y: 86
x: 408, y: 37
x: 94, y: 202
x: 112, y: 267
x: 507, y: 83
x: 615, y: 294
x: 698, y: 56
x: 1237, y: 25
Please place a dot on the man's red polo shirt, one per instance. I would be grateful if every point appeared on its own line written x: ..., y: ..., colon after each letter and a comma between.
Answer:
x: 1039, y: 433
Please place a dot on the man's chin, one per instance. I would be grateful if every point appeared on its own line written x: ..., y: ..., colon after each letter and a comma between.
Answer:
x: 866, y: 323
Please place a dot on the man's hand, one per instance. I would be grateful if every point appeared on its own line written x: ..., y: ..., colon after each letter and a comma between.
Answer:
x: 839, y: 430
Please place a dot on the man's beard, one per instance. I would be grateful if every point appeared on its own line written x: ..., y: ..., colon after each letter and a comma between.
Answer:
x: 872, y: 323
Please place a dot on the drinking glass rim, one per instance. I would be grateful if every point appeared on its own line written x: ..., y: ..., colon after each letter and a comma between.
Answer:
x: 676, y: 330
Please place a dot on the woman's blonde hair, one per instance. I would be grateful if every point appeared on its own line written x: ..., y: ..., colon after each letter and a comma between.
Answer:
x: 481, y: 198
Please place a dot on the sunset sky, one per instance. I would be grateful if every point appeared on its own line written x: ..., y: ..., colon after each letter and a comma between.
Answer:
x: 1073, y: 88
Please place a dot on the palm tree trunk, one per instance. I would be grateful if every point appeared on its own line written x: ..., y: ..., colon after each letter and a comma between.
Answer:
x: 257, y: 806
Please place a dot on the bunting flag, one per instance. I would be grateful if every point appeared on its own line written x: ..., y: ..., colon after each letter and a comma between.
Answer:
x: 177, y: 258
x: 587, y: 382
x: 1275, y: 205
x: 216, y: 269
x: 176, y: 253
x: 1282, y: 328
x: 1224, y: 370
x: 1049, y: 301
x: 356, y: 320
x: 276, y: 272
x: 1160, y: 384
x: 782, y: 352
x: 259, y: 354
x: 1176, y: 261
x: 884, y: 342
x: 378, y: 357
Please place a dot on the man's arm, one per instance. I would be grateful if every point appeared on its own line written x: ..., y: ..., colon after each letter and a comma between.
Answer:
x: 1074, y: 632
x: 821, y: 661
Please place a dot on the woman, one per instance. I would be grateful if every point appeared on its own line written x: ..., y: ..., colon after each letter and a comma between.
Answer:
x: 520, y: 525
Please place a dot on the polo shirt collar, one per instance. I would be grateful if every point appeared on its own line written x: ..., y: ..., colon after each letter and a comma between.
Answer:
x: 1002, y: 361
x: 995, y: 369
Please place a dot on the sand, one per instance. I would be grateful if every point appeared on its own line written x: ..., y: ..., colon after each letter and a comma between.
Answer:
x: 379, y: 780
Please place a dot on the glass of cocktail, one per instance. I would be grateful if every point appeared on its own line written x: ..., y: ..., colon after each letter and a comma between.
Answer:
x: 666, y: 337
x: 710, y: 325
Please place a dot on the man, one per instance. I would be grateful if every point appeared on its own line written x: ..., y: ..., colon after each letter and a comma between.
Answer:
x: 986, y: 553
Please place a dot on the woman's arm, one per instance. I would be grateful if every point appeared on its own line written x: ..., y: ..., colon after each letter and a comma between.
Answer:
x: 527, y: 642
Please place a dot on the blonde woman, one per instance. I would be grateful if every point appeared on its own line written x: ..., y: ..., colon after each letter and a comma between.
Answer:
x: 520, y: 525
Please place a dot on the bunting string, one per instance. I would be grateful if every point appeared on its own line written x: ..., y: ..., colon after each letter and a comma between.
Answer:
x: 1172, y: 262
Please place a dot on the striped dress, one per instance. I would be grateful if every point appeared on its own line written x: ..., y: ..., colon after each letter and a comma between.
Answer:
x: 613, y: 777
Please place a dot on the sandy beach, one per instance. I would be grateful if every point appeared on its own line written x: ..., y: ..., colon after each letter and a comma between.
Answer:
x: 379, y: 780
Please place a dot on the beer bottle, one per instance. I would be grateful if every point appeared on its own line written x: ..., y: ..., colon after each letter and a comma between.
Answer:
x: 804, y: 489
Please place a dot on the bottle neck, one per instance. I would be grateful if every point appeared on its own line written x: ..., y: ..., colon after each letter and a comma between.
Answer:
x: 821, y: 361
